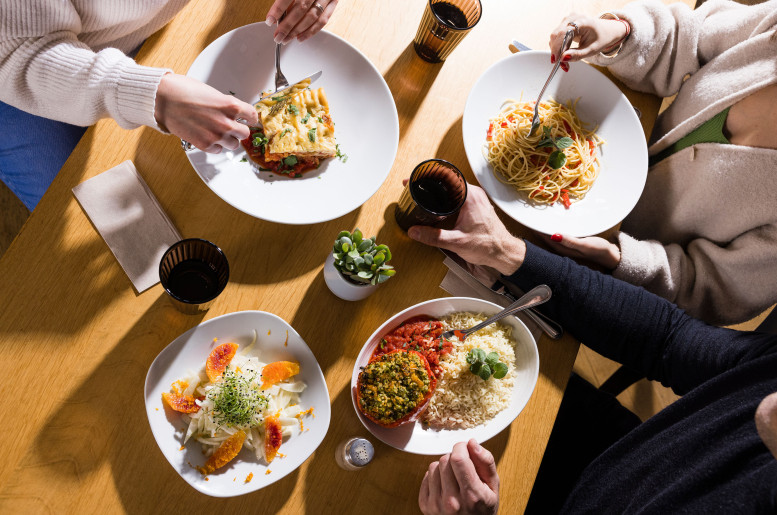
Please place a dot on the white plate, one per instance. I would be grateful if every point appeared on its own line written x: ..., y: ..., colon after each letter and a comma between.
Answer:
x: 242, y: 61
x: 414, y: 437
x: 189, y: 352
x: 623, y: 157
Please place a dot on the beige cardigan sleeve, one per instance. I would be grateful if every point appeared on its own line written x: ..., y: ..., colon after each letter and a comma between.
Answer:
x: 720, y: 284
x: 47, y: 71
x: 668, y: 42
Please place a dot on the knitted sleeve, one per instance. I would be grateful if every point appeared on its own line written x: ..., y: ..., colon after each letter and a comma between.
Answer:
x: 47, y: 71
x: 636, y: 328
x: 668, y: 42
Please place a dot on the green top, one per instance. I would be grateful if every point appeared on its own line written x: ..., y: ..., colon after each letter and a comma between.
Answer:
x: 710, y: 131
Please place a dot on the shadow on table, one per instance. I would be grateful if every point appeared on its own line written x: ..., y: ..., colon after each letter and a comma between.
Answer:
x: 104, y: 420
x: 392, y: 479
x: 410, y: 78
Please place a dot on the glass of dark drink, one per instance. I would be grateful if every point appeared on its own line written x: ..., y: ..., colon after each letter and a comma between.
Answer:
x: 443, y: 26
x: 435, y: 191
x: 193, y: 272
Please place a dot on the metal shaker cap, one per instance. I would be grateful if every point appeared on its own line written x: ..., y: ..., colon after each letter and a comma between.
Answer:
x: 360, y: 452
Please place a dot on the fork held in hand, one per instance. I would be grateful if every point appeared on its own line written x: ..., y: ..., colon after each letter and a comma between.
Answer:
x: 536, y: 296
x: 568, y: 37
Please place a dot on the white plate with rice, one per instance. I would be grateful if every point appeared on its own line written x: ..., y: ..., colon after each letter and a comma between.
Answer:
x: 421, y: 438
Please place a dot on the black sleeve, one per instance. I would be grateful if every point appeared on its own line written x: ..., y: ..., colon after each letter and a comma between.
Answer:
x: 634, y: 327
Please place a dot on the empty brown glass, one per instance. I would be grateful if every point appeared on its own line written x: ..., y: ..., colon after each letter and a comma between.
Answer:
x: 443, y: 26
x: 435, y: 191
x: 193, y: 272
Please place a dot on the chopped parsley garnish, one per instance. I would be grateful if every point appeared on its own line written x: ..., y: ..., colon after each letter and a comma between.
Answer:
x: 278, y: 98
x: 244, y: 160
x: 338, y: 154
x: 259, y: 140
x: 236, y: 399
x: 290, y: 161
x: 293, y: 109
x: 312, y: 134
x: 306, y: 118
x: 319, y: 119
x: 264, y: 169
x: 284, y: 132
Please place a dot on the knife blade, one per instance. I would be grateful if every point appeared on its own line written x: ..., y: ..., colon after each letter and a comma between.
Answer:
x: 458, y: 266
x: 312, y: 78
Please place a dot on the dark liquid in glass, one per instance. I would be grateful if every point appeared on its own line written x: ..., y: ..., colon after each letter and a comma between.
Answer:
x: 450, y: 15
x: 193, y: 280
x: 435, y: 194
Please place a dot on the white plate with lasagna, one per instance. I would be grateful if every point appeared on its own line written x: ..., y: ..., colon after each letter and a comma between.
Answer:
x: 481, y: 402
x: 274, y: 341
x: 359, y: 103
x: 600, y: 105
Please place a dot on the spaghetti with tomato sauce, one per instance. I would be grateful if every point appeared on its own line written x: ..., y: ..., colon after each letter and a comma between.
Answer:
x: 422, y: 334
x: 293, y: 166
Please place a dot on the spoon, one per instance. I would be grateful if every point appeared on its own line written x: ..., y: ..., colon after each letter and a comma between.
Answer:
x: 568, y: 37
x: 538, y: 295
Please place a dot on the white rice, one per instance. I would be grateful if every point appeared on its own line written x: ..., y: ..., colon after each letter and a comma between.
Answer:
x: 462, y: 399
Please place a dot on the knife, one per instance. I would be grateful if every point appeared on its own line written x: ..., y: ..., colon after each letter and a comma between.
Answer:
x: 459, y: 267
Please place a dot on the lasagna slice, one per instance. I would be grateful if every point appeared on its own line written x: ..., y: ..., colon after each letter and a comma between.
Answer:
x: 297, y: 131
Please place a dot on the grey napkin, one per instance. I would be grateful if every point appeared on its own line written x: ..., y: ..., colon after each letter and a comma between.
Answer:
x: 130, y: 220
x: 459, y: 286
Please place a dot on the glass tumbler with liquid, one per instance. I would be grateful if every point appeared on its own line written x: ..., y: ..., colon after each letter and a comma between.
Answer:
x: 443, y: 25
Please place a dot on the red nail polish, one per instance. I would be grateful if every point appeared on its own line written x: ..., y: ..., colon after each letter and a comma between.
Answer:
x: 556, y: 237
x: 552, y: 58
x: 565, y: 67
x: 567, y: 57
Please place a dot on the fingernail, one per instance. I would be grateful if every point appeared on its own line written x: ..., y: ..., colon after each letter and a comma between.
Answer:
x: 287, y: 40
x: 556, y: 237
x: 567, y: 57
x: 270, y: 21
x: 565, y: 67
x: 552, y: 58
x: 279, y: 38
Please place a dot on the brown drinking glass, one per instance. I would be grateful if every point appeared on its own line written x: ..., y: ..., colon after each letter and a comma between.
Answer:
x: 435, y: 191
x: 193, y: 272
x: 443, y: 26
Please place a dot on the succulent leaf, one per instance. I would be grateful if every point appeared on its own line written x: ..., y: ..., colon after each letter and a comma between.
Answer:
x: 360, y: 259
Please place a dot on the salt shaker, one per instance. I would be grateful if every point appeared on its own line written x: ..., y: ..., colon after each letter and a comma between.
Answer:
x: 354, y: 453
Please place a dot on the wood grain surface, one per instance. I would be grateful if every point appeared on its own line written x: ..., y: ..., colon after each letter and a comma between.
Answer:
x: 77, y: 340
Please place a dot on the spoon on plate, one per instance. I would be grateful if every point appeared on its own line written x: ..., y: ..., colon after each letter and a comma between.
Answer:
x: 536, y: 296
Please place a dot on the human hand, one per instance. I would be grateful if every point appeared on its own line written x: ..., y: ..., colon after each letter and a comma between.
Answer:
x: 593, y: 36
x: 202, y: 115
x: 303, y: 18
x: 478, y: 235
x: 592, y: 248
x: 464, y: 481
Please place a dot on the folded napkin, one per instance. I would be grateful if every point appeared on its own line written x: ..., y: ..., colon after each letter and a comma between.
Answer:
x: 458, y: 284
x: 130, y: 220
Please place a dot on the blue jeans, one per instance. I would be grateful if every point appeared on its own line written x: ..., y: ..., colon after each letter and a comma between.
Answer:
x: 32, y: 151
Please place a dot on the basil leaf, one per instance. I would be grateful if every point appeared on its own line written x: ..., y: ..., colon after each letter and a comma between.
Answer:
x: 545, y: 143
x: 475, y: 367
x: 564, y: 143
x: 500, y: 370
x: 557, y: 159
x: 492, y: 359
x: 481, y: 355
x: 484, y: 372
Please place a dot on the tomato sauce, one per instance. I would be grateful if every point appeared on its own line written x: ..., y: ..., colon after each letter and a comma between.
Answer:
x: 422, y: 334
x: 256, y: 154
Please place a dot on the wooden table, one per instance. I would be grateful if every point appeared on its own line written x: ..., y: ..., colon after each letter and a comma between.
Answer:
x: 77, y: 341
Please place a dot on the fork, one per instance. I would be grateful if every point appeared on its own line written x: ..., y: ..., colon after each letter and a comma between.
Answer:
x: 568, y: 37
x: 536, y: 296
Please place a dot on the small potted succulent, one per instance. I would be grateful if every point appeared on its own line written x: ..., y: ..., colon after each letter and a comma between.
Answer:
x: 356, y: 266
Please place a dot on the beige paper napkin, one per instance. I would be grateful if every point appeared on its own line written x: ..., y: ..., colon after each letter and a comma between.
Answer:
x: 129, y: 218
x: 454, y: 285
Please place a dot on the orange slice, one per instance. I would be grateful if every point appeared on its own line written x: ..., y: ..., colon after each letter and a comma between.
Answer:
x: 228, y: 449
x: 181, y: 403
x: 273, y: 437
x: 277, y: 372
x: 218, y: 360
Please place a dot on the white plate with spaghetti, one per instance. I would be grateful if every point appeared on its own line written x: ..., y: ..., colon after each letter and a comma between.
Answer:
x: 600, y: 104
x: 275, y: 340
x: 241, y: 62
x: 420, y: 438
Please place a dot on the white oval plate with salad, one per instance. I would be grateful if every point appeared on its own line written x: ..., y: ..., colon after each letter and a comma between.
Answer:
x: 188, y: 352
x: 362, y: 108
x: 414, y: 437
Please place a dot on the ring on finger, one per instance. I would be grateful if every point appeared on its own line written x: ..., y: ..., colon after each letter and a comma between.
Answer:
x: 319, y: 7
x: 574, y: 26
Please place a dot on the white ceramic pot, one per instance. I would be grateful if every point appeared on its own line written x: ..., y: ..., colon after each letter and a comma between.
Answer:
x: 342, y: 287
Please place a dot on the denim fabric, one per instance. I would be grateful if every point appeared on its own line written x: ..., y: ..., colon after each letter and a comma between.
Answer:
x: 32, y: 151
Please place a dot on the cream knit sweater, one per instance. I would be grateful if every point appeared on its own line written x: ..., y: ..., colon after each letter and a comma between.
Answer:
x: 65, y: 59
x: 704, y: 232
